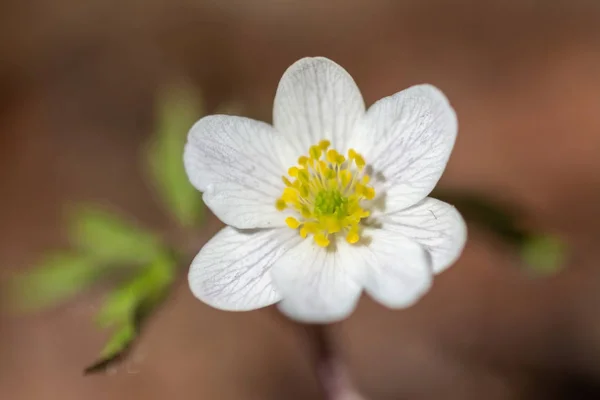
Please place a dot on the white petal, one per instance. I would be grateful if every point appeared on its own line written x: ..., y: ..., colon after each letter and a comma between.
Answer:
x: 231, y: 272
x: 397, y: 270
x: 436, y: 225
x: 317, y: 99
x: 315, y: 284
x: 407, y: 139
x: 239, y: 163
x: 242, y: 208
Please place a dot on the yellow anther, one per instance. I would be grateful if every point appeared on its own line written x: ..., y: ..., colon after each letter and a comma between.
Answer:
x: 315, y: 152
x: 311, y: 227
x: 292, y: 222
x: 365, y: 214
x: 280, y: 205
x: 365, y: 180
x: 332, y: 224
x: 351, y: 154
x: 293, y: 172
x: 359, y: 161
x: 302, y: 160
x: 352, y: 236
x: 355, y: 217
x: 332, y: 156
x: 322, y: 167
x: 369, y: 193
x: 286, y: 181
x: 289, y: 195
x: 324, y: 144
x: 359, y: 189
x: 303, y: 232
x: 321, y: 240
x: 304, y: 173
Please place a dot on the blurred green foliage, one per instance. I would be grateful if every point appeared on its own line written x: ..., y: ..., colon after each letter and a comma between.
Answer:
x: 104, y: 244
x: 126, y: 307
x: 146, y: 288
x: 108, y: 239
x: 56, y: 278
x: 177, y: 110
x: 542, y: 254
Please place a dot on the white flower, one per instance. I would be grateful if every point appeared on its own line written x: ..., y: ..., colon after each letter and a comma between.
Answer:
x: 329, y: 201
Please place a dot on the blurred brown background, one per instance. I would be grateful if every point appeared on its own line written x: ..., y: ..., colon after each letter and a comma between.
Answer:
x: 77, y: 85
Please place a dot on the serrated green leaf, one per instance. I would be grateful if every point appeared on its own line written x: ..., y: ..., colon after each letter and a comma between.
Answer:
x: 54, y: 279
x: 544, y: 254
x: 178, y: 109
x: 109, y: 239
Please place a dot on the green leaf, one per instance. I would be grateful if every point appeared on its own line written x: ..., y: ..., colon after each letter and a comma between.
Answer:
x: 109, y: 239
x: 129, y: 306
x: 544, y: 254
x: 119, y: 340
x: 178, y: 109
x: 120, y: 305
x: 147, y: 286
x: 115, y: 349
x: 56, y: 278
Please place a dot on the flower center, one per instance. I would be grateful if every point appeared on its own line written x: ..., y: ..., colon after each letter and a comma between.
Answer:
x: 331, y: 202
x: 327, y: 192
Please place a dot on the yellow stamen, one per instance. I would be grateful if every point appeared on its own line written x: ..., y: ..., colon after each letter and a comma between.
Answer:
x: 321, y: 239
x: 352, y: 236
x: 326, y: 190
x: 303, y: 232
x: 359, y: 161
x: 280, y: 204
x: 315, y: 152
x: 324, y: 144
x: 292, y: 222
x: 293, y: 172
x: 332, y: 156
